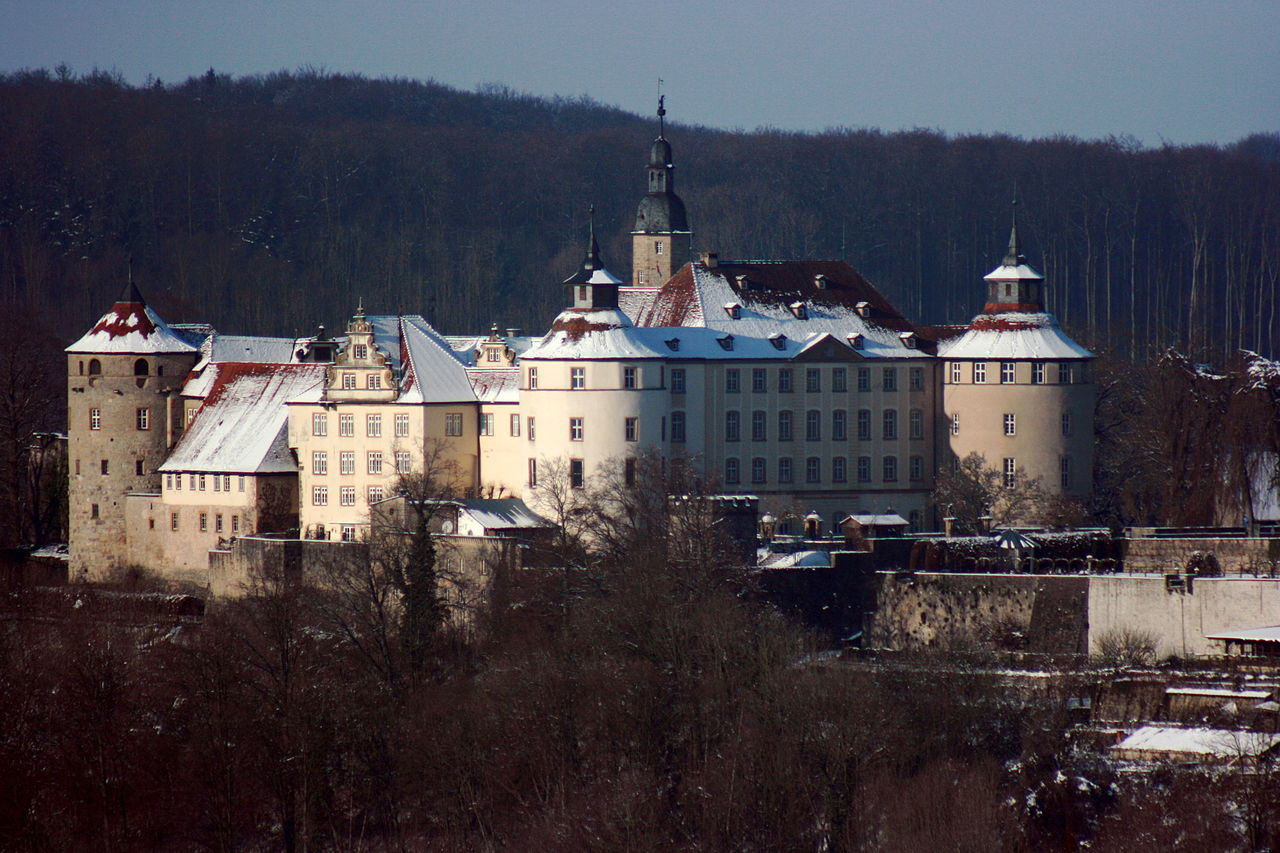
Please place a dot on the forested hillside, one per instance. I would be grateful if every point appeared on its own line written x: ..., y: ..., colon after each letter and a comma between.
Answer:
x: 270, y: 204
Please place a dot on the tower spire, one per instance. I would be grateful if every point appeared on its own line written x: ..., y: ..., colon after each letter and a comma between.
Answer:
x: 662, y: 113
x: 1013, y: 255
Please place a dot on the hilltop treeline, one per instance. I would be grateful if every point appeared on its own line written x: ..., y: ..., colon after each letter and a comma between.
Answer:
x: 272, y: 203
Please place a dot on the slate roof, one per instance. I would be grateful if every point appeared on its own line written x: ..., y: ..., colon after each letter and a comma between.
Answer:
x: 131, y: 327
x: 1011, y: 336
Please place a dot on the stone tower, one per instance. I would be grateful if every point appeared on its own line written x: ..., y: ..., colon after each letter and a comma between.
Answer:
x: 124, y: 414
x: 661, y: 242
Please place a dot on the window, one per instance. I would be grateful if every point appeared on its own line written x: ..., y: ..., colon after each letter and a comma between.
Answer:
x: 813, y: 380
x: 533, y: 378
x: 759, y: 382
x: 1037, y: 373
x: 95, y: 419
x: 373, y: 426
x: 955, y: 424
x: 657, y: 247
x: 204, y: 522
x: 575, y: 429
x: 759, y: 425
x: 140, y: 367
x: 813, y: 470
x: 348, y: 381
x: 191, y: 482
x: 532, y: 432
x: 241, y: 485
x: 839, y: 380
x: 732, y: 475
x: 758, y: 470
x: 319, y: 495
x: 373, y: 381
x: 1010, y: 472
x: 402, y: 425
x: 142, y: 417
x: 915, y: 379
x: 1064, y: 470
x: 890, y: 379
x: 1064, y: 373
x: 631, y: 429
x: 1007, y: 372
x: 533, y: 473
x: 732, y: 422
x: 374, y: 461
x: 95, y: 367
x: 628, y: 377
x: 217, y: 523
x: 402, y: 462
x: 226, y: 482
x: 677, y: 427
x: 677, y: 380
x: 784, y: 470
x: 346, y: 425
x: 1066, y: 423
x: 347, y: 533
x: 629, y: 471
x: 979, y: 372
x: 576, y: 476
x: 864, y: 469
x: 955, y: 372
x: 361, y: 351
x: 453, y: 423
x: 813, y: 425
x: 839, y: 425
x: 347, y: 496
x: 839, y: 470
x: 137, y: 467
x: 784, y: 380
x: 486, y: 423
x: 915, y: 469
x: 235, y: 524
x: 890, y: 425
x: 785, y: 418
x: 173, y: 521
x: 492, y: 354
x: 515, y: 426
x: 732, y: 381
x: 890, y: 469
x: 864, y: 379
x: 319, y: 423
x: 105, y: 466
x: 168, y: 481
x: 217, y: 483
x: 864, y: 424
x: 577, y: 378
x: 915, y: 423
x: 347, y: 462
x: 1010, y: 424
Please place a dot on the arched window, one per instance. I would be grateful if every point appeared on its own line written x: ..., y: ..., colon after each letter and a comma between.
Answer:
x: 141, y: 368
x: 95, y: 367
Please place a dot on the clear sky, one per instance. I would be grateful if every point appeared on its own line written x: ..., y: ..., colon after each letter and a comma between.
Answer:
x: 1181, y: 71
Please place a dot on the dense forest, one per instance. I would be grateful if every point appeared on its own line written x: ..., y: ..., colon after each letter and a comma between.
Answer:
x: 270, y: 204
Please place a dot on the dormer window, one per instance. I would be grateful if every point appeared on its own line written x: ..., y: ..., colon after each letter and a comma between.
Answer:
x: 742, y: 282
x: 726, y: 342
x: 820, y: 281
x: 863, y: 308
x: 734, y: 310
x: 908, y: 339
x: 856, y: 341
x: 778, y: 341
x: 673, y: 344
x: 361, y: 352
x: 800, y: 310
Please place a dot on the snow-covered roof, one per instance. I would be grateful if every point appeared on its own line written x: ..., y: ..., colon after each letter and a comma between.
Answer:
x: 433, y: 372
x: 1007, y: 272
x: 1217, y: 692
x: 496, y: 385
x: 1207, y: 742
x: 883, y: 520
x: 129, y: 328
x: 636, y: 301
x: 251, y: 349
x: 242, y: 427
x: 1010, y: 336
x: 1268, y: 634
x: 502, y: 514
x: 767, y: 559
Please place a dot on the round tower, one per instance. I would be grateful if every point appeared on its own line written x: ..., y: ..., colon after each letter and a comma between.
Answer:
x: 661, y: 242
x: 1016, y: 389
x: 123, y: 416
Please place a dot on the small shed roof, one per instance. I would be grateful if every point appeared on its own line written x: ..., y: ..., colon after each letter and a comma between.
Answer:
x: 1268, y: 634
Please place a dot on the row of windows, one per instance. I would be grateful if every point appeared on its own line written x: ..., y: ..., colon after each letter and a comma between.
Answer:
x: 140, y: 368
x: 837, y: 472
x: 347, y: 462
x: 201, y: 482
x: 784, y: 381
x: 813, y: 425
x: 578, y: 378
x: 372, y: 424
x: 346, y: 495
x: 1010, y: 422
x: 141, y: 418
x: 372, y: 381
x: 1008, y: 372
x: 202, y: 523
x: 1009, y: 472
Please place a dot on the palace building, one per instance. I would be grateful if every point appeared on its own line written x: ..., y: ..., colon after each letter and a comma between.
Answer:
x: 792, y: 380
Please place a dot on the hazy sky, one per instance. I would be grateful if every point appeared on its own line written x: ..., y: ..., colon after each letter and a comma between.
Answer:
x: 1179, y: 70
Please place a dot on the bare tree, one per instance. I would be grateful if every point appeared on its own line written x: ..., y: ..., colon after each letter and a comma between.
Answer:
x: 975, y: 490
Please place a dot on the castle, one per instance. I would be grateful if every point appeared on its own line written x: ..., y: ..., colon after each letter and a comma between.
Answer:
x: 795, y: 381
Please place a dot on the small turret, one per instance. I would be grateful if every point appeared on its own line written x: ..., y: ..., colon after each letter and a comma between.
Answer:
x: 593, y: 287
x: 1014, y: 286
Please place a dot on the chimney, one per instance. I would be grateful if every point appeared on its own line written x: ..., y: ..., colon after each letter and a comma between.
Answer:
x: 710, y: 260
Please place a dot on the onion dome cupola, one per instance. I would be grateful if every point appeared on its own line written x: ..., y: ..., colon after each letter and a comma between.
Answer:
x: 661, y: 211
x: 593, y: 287
x: 1014, y: 286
